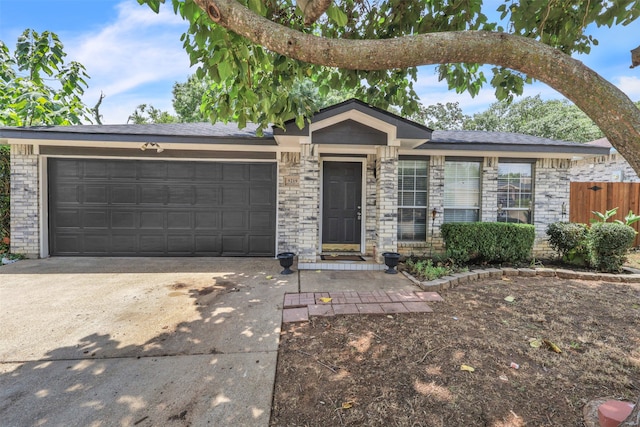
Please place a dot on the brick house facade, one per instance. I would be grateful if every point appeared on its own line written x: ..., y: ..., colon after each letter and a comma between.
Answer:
x: 354, y: 179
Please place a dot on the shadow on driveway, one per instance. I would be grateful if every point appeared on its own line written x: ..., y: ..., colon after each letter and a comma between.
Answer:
x: 157, y: 342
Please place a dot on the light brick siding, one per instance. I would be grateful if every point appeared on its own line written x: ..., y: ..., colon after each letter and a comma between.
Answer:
x: 551, y: 190
x: 309, y: 208
x: 602, y: 169
x: 25, y: 202
x: 489, y: 190
x: 551, y: 186
x: 288, y: 202
x: 387, y: 200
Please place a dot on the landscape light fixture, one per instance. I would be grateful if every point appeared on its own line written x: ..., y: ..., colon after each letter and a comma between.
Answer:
x: 152, y: 145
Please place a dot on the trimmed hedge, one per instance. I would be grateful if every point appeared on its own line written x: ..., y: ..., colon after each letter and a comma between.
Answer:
x: 608, y: 245
x: 488, y: 241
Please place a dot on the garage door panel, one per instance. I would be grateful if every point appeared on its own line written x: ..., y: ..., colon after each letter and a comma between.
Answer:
x: 179, y: 243
x: 125, y: 244
x: 149, y: 170
x: 153, y: 194
x: 96, y: 170
x: 179, y: 220
x: 123, y: 194
x: 235, y: 195
x: 235, y: 172
x: 208, y: 195
x: 207, y: 220
x: 68, y: 193
x: 152, y: 220
x: 234, y: 245
x: 95, y: 243
x: 181, y: 195
x: 207, y: 244
x: 161, y: 208
x: 95, y: 219
x: 260, y: 245
x: 124, y: 219
x: 68, y: 218
x: 234, y: 220
x: 260, y: 220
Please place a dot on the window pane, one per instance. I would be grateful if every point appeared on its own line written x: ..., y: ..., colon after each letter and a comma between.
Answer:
x: 412, y: 200
x: 515, y: 190
x: 461, y: 215
x: 461, y: 187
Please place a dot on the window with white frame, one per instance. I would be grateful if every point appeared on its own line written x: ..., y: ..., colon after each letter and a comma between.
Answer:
x: 412, y: 200
x: 461, y: 191
x: 515, y: 190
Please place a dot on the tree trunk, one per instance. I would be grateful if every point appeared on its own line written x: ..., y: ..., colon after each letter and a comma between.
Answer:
x: 633, y: 420
x: 605, y: 104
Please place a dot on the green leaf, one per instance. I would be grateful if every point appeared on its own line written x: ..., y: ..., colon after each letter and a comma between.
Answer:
x: 337, y: 15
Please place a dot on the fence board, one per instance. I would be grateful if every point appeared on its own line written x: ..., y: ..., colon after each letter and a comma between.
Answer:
x: 586, y: 197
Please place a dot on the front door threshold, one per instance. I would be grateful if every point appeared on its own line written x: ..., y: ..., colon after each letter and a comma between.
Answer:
x: 340, y: 247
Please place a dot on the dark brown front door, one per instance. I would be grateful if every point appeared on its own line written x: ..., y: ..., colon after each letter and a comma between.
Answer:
x: 342, y: 206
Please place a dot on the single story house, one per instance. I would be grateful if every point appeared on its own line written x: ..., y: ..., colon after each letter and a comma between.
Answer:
x: 355, y: 179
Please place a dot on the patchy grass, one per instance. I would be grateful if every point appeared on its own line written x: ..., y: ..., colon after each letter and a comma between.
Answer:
x: 404, y: 370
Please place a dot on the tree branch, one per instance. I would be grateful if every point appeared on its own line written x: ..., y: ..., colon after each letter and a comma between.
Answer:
x: 313, y: 9
x: 605, y: 104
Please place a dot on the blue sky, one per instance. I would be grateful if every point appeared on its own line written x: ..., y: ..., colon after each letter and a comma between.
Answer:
x: 135, y: 56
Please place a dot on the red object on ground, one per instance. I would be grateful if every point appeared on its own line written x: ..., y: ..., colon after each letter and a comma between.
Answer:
x: 613, y: 412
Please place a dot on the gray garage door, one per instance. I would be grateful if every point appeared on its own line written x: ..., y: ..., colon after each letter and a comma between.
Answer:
x: 161, y: 208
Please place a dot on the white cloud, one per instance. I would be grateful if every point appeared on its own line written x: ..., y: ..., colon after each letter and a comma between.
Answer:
x: 134, y: 60
x: 630, y: 85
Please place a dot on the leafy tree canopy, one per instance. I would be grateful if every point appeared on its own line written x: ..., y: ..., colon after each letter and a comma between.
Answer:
x: 555, y: 119
x: 255, y: 82
x: 256, y: 49
x: 26, y: 98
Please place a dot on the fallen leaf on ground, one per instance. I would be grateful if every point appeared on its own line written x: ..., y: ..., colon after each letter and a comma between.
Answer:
x: 325, y: 299
x: 506, y: 279
x: 510, y: 298
x: 552, y: 346
x: 467, y: 368
x: 535, y: 342
x: 269, y: 277
x: 347, y: 405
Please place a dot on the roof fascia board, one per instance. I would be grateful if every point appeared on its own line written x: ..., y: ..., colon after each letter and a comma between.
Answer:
x: 362, y: 118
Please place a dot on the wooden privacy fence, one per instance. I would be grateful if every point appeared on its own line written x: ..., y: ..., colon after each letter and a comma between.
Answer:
x: 586, y: 197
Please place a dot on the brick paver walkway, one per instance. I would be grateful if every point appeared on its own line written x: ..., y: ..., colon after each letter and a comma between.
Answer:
x: 298, y: 307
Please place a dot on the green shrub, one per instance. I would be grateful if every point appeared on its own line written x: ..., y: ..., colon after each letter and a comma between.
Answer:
x: 608, y: 245
x: 570, y: 240
x: 488, y: 241
x: 425, y: 269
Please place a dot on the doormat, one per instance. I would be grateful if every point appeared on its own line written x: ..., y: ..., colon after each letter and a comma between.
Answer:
x: 341, y: 258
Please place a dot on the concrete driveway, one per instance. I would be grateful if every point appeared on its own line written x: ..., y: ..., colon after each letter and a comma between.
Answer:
x: 139, y: 341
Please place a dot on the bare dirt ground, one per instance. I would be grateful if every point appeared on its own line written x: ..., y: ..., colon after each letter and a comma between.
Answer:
x: 406, y: 370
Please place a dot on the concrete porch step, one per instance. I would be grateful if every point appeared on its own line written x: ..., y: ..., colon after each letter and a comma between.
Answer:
x: 368, y: 264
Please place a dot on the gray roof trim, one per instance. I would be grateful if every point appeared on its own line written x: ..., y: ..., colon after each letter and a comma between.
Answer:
x: 406, y: 129
x: 504, y: 141
x: 186, y: 133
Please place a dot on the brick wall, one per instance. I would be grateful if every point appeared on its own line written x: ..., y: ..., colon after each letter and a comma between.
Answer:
x: 489, y: 190
x: 387, y: 200
x: 288, y: 202
x: 309, y: 208
x: 602, y: 168
x: 370, y: 205
x: 25, y: 201
x: 552, y: 183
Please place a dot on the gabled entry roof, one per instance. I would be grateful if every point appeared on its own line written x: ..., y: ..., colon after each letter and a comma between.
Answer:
x: 353, y: 109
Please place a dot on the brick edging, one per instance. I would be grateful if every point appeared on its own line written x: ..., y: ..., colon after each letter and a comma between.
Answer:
x: 454, y: 279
